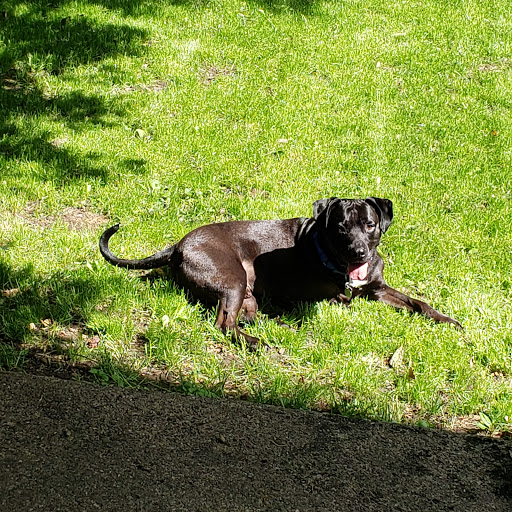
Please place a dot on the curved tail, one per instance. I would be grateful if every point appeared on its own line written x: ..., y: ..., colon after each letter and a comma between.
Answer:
x: 160, y: 259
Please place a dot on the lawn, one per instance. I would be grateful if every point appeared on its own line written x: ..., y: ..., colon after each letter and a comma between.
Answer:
x: 164, y: 115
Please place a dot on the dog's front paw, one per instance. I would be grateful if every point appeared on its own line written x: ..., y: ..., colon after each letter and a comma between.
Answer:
x: 341, y: 299
x: 445, y: 319
x: 454, y: 322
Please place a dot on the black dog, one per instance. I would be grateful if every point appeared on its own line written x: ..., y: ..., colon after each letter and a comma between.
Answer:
x: 332, y: 255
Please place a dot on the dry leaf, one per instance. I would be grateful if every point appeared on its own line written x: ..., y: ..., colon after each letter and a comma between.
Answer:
x: 11, y: 293
x: 397, y: 359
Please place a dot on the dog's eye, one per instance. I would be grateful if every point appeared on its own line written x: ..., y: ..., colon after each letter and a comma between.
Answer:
x: 370, y: 227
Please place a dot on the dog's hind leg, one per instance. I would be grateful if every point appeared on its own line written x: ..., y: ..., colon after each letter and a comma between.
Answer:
x: 249, y: 309
x: 249, y: 305
x: 212, y: 273
x: 230, y: 305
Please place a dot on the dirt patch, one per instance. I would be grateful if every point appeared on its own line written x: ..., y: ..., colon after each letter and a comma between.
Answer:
x: 59, y: 142
x: 17, y: 81
x: 10, y: 81
x: 491, y: 67
x: 79, y: 219
x: 156, y: 86
x: 74, y: 218
x: 208, y: 73
x: 66, y: 337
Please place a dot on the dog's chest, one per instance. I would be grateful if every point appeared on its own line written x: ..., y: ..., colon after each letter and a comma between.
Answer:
x: 297, y: 283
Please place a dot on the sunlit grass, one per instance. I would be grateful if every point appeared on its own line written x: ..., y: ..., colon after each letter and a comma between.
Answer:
x: 167, y: 115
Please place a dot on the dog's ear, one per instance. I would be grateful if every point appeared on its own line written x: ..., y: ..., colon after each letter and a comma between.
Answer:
x: 321, y: 206
x: 384, y: 209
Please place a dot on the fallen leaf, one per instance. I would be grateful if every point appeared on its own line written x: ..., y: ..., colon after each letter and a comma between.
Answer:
x: 11, y: 293
x: 397, y: 359
x: 93, y: 342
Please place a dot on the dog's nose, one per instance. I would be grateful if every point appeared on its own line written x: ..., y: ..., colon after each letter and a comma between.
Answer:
x: 361, y: 252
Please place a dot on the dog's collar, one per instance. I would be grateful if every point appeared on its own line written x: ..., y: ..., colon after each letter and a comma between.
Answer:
x: 324, y: 259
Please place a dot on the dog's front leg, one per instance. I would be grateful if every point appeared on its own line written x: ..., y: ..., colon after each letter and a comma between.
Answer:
x: 398, y: 299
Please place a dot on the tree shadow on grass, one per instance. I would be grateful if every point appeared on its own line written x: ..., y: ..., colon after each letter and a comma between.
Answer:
x: 45, y: 330
x: 22, y: 138
x: 294, y: 6
x: 40, y: 45
x: 140, y: 8
x: 44, y: 326
x: 134, y: 8
x: 27, y: 298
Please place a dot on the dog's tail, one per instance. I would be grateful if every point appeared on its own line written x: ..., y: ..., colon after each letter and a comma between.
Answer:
x: 160, y: 259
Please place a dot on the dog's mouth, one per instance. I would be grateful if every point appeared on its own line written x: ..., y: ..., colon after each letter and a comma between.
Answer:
x: 358, y: 273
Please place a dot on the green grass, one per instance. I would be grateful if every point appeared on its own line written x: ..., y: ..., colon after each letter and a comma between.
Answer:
x: 165, y: 115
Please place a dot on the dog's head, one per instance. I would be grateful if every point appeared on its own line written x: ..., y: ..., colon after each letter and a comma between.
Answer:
x: 350, y: 230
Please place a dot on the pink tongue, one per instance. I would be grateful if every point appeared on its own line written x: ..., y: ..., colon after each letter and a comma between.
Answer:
x: 358, y: 272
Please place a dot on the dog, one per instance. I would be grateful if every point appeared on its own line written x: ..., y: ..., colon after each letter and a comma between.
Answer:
x: 332, y: 255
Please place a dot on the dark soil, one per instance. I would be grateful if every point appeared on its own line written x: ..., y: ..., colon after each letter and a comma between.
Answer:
x: 76, y: 446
